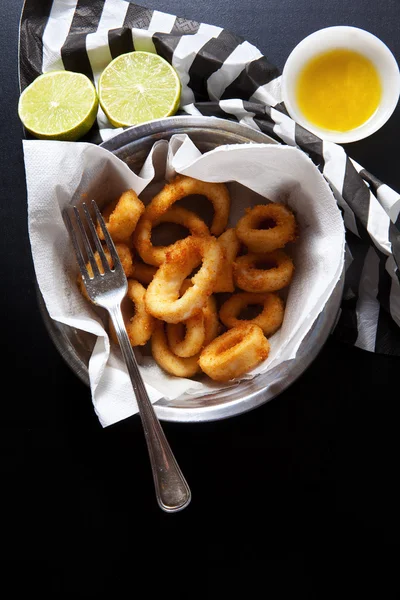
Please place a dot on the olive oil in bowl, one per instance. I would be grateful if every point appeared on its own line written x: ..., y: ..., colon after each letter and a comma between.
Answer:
x: 338, y: 90
x: 341, y: 83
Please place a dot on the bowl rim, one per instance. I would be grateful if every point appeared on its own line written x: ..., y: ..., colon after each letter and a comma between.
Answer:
x: 283, y: 376
x: 324, y: 38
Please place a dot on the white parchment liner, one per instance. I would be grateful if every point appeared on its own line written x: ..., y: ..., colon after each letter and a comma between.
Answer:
x: 58, y: 172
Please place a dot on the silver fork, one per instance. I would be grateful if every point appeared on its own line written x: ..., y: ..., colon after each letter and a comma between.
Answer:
x: 108, y: 290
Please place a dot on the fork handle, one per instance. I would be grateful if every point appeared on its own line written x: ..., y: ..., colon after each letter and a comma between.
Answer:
x: 172, y: 491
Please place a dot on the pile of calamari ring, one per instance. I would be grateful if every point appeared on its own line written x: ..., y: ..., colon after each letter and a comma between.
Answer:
x: 186, y: 299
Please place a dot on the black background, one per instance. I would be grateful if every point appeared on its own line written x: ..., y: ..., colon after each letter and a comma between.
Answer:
x: 297, y: 497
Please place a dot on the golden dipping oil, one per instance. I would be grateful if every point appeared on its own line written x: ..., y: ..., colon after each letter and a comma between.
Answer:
x: 338, y: 90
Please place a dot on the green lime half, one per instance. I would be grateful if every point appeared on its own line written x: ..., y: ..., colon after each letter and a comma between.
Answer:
x: 59, y: 105
x: 138, y: 87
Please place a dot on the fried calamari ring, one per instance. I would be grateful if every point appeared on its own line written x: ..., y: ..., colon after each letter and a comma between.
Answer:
x: 176, y: 365
x: 162, y: 296
x: 211, y: 321
x: 144, y: 273
x: 270, y: 319
x: 167, y: 360
x: 279, y: 227
x: 183, y: 186
x: 139, y: 325
x: 230, y: 245
x: 266, y: 272
x: 234, y: 353
x: 188, y: 338
x: 155, y: 255
x: 122, y: 216
x: 125, y: 257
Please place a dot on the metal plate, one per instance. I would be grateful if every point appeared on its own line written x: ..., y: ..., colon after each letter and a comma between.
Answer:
x: 132, y: 146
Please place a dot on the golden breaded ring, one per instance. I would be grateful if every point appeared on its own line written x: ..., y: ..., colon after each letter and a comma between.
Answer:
x: 266, y: 272
x: 125, y: 256
x: 281, y: 227
x: 211, y: 321
x: 162, y: 296
x: 230, y: 245
x: 270, y: 319
x: 183, y: 186
x: 139, y: 325
x: 144, y: 273
x: 122, y: 217
x: 234, y: 353
x: 176, y: 365
x: 167, y: 360
x: 155, y: 255
x: 188, y: 338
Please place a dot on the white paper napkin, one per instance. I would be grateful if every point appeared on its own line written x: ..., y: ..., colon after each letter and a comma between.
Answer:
x: 58, y: 173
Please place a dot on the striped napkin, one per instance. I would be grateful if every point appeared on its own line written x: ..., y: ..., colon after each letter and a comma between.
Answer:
x: 223, y: 75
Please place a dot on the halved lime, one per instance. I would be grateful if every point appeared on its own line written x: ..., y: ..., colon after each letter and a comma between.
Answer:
x: 59, y: 105
x: 137, y: 87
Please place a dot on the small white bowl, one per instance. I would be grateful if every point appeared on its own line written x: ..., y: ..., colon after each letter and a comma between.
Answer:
x: 350, y: 38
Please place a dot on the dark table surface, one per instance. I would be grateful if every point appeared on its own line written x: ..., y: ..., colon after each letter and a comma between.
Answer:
x: 300, y: 494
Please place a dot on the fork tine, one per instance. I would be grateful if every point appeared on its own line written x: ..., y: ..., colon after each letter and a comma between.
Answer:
x: 75, y: 243
x: 86, y: 243
x: 96, y: 239
x: 107, y: 236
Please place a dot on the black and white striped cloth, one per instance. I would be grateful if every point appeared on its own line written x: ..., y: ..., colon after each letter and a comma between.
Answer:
x: 224, y: 75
